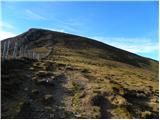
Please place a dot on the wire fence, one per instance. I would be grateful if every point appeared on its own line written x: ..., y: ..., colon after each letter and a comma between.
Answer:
x: 12, y: 49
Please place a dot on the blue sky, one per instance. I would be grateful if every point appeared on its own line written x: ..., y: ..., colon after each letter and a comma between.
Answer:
x: 132, y: 26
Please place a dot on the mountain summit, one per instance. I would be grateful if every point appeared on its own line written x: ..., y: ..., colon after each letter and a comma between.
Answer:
x: 49, y: 74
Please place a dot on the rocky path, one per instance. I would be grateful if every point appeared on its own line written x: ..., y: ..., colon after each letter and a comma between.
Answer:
x: 45, y: 89
x: 51, y: 83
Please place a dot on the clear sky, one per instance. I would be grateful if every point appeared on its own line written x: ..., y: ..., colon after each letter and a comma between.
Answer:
x: 132, y: 26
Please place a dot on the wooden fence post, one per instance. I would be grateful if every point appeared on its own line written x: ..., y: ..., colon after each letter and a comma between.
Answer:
x: 4, y: 49
x: 8, y: 45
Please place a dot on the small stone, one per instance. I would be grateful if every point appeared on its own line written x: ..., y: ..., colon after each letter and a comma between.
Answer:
x: 155, y: 107
x: 35, y: 91
x: 154, y: 100
x: 48, y: 108
x: 146, y: 114
x: 78, y: 115
x: 119, y: 100
x: 141, y: 95
x: 85, y: 71
x: 62, y: 115
x: 44, y: 74
x: 21, y: 108
x: 48, y: 96
x: 48, y: 99
x: 31, y: 68
x: 26, y: 89
x: 52, y: 115
x: 50, y: 66
x: 50, y: 81
x: 34, y: 78
x: 46, y: 81
x: 41, y: 81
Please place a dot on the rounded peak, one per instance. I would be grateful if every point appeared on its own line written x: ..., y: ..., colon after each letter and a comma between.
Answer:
x: 35, y: 29
x: 40, y: 29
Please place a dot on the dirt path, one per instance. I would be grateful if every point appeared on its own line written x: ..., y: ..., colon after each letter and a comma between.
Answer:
x: 58, y: 91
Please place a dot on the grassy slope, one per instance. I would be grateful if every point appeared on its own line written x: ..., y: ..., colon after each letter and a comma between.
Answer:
x: 98, y: 81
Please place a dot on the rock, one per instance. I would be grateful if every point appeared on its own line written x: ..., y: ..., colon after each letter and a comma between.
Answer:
x: 61, y: 65
x: 52, y: 77
x: 23, y: 110
x: 34, y: 78
x: 47, y: 99
x: 78, y: 116
x: 50, y: 81
x: 35, y: 91
x: 59, y: 78
x: 50, y: 66
x: 118, y: 100
x: 31, y: 68
x: 46, y: 81
x: 70, y: 68
x: 41, y: 81
x: 85, y: 71
x: 26, y: 89
x: 44, y: 74
x: 141, y: 95
x: 52, y: 116
x: 154, y: 100
x: 146, y: 114
x: 154, y: 106
x: 62, y: 115
x: 49, y: 109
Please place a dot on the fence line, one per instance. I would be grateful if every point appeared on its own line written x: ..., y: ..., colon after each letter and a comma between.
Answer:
x: 14, y: 50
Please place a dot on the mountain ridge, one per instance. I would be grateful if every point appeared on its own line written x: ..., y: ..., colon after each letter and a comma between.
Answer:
x: 40, y: 29
x: 89, y: 41
x: 77, y: 77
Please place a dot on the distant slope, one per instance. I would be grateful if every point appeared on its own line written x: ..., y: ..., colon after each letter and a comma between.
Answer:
x: 92, y: 48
